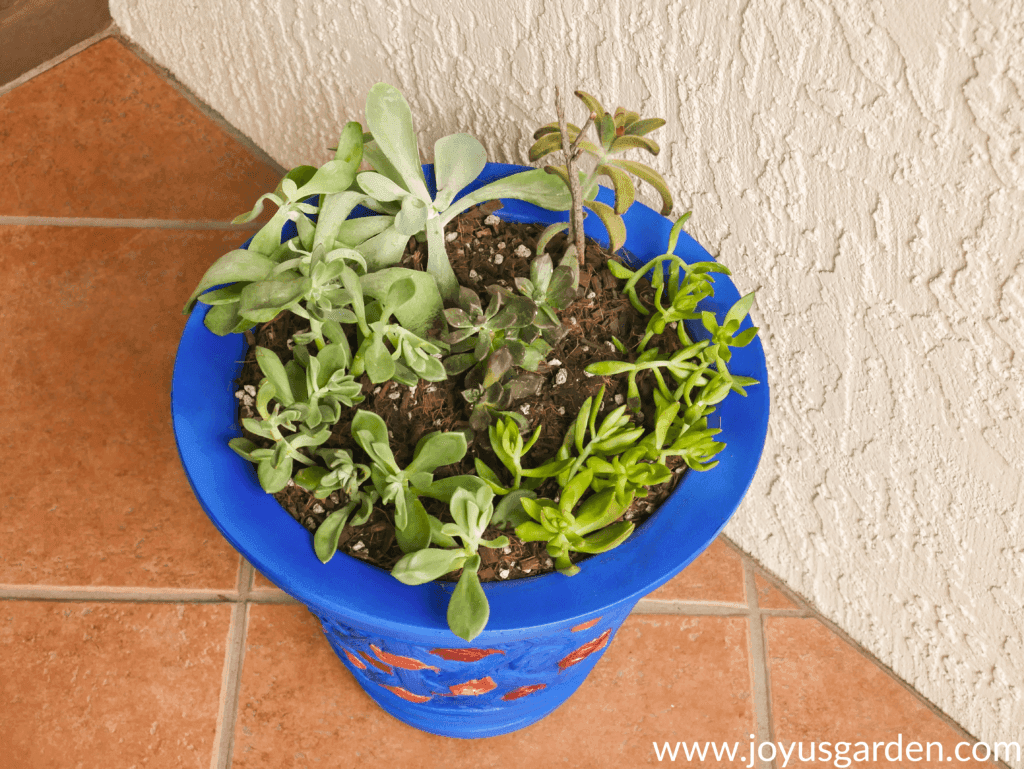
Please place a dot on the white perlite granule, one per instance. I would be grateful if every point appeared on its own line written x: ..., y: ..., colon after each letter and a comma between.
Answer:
x: 522, y: 252
x: 451, y: 236
x: 492, y: 220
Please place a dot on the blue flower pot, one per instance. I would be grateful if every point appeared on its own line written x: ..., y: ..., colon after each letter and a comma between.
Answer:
x: 545, y: 633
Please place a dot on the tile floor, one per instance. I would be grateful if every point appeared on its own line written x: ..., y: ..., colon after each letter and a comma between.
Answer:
x: 132, y: 635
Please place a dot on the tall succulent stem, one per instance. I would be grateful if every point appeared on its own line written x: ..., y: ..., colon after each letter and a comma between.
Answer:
x: 574, y: 180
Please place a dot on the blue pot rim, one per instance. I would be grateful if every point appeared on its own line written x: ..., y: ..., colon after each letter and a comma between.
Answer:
x: 204, y: 412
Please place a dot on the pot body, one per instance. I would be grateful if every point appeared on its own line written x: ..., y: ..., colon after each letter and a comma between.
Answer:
x: 545, y: 633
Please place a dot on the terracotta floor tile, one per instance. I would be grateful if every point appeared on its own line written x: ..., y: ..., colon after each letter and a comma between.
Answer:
x: 300, y: 707
x: 809, y: 665
x: 94, y: 493
x: 769, y: 596
x: 262, y: 583
x: 110, y: 685
x: 103, y: 135
x: 716, y: 575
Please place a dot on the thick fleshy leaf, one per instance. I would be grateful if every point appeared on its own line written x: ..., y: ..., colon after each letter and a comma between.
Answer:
x: 333, y: 216
x: 436, y: 450
x: 573, y: 130
x: 549, y: 232
x: 606, y: 130
x: 352, y: 232
x: 262, y: 301
x: 416, y: 314
x: 274, y: 478
x: 390, y: 121
x: 257, y: 209
x: 592, y: 104
x: 427, y: 565
x: 604, y: 540
x: 383, y: 250
x: 373, y: 425
x: 649, y: 175
x: 337, y: 175
x: 412, y: 218
x: 224, y: 319
x: 642, y: 127
x: 273, y: 370
x: 458, y: 160
x: 739, y: 310
x: 380, y: 187
x: 415, y: 534
x: 234, y: 266
x: 535, y: 186
x: 225, y: 295
x: 611, y: 221
x: 609, y: 367
x: 380, y: 366
x: 443, y: 488
x: 243, y: 447
x: 325, y: 541
x: 545, y: 145
x: 468, y: 609
x: 630, y: 142
x: 625, y: 192
x: 309, y: 477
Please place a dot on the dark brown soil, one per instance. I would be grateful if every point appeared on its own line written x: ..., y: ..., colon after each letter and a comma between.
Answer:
x: 599, y: 313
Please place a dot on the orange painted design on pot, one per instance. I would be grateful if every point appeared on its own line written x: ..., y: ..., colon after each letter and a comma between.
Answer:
x: 522, y: 691
x: 379, y: 665
x: 585, y: 651
x: 474, y: 688
x: 405, y: 694
x: 355, y: 660
x: 464, y: 655
x: 586, y: 625
x: 405, y: 663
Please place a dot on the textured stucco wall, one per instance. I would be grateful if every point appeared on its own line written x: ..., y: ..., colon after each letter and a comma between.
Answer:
x: 860, y: 164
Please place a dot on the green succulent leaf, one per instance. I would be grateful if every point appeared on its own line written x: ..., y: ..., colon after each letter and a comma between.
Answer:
x: 468, y: 609
x: 390, y: 121
x: 642, y: 127
x: 234, y: 266
x: 458, y: 160
x: 273, y: 369
x: 625, y: 192
x: 630, y: 142
x: 381, y: 188
x: 260, y: 302
x: 591, y: 103
x: 612, y: 223
x: 427, y: 565
x: 545, y: 145
x: 325, y: 540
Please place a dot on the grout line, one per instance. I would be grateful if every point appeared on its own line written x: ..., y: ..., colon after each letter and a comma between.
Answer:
x: 115, y: 594
x: 231, y: 683
x: 246, y: 575
x: 786, y: 613
x: 165, y: 74
x: 151, y: 224
x: 696, y: 609
x: 109, y: 31
x: 759, y: 664
x: 138, y: 595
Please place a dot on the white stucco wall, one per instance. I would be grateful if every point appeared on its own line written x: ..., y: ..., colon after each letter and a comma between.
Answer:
x: 860, y: 164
